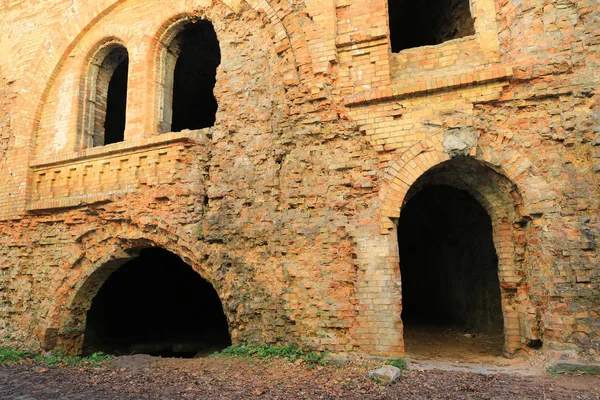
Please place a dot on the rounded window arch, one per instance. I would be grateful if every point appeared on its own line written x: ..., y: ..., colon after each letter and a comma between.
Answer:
x: 189, y: 59
x: 105, y: 98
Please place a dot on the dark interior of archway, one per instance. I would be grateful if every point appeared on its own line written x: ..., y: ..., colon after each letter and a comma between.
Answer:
x: 194, y: 104
x: 421, y: 23
x: 116, y: 104
x: 156, y: 304
x: 448, y: 263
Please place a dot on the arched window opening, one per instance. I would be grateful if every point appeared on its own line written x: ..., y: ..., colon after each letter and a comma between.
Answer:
x: 116, y: 104
x: 106, y: 97
x: 449, y: 270
x: 156, y: 304
x: 422, y: 23
x: 190, y: 69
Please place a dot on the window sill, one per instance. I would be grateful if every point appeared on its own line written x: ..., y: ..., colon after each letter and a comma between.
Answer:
x: 412, y: 88
x: 121, y: 147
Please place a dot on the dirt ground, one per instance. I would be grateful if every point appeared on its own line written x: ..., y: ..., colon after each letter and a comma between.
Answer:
x: 146, y: 377
x: 448, y: 343
x: 449, y: 348
x: 443, y: 364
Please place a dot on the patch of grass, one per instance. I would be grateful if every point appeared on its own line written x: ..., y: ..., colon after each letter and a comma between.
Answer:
x: 573, y: 368
x: 53, y: 359
x: 289, y: 353
x: 398, y: 363
x: 12, y: 356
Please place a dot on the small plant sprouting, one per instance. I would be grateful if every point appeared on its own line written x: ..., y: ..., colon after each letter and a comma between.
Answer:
x: 398, y: 363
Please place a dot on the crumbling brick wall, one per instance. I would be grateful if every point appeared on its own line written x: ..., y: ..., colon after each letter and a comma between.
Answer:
x: 289, y: 204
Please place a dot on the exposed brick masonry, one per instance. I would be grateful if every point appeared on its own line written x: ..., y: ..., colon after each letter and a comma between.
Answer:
x: 289, y: 204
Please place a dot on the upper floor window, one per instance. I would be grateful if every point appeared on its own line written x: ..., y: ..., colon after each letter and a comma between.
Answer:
x: 190, y: 68
x: 421, y: 23
x: 106, y: 97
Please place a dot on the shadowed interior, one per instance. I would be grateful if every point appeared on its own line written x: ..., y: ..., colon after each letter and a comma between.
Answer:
x: 116, y: 104
x: 194, y: 105
x: 156, y: 304
x: 421, y: 23
x: 448, y: 263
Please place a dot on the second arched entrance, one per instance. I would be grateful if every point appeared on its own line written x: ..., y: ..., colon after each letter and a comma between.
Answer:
x: 453, y: 304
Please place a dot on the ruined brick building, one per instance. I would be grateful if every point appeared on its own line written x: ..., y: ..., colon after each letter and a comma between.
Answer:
x: 318, y: 173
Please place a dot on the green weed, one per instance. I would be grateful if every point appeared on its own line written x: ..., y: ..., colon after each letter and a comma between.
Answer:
x: 397, y: 362
x: 289, y: 353
x: 52, y: 359
x: 11, y: 356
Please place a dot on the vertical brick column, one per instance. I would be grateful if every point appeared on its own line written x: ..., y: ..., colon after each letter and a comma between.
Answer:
x: 379, y: 331
x: 140, y: 102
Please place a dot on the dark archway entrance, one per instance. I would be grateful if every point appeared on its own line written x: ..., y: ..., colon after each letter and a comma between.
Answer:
x: 449, y: 271
x: 156, y: 304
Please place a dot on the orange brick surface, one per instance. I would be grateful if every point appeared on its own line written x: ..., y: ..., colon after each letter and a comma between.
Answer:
x: 320, y: 134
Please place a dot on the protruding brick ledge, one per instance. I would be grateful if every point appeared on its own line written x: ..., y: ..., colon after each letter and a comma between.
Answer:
x: 75, y: 201
x: 409, y: 87
x: 356, y: 38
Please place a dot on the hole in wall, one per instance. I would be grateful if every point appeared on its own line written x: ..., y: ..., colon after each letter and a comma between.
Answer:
x: 421, y: 23
x: 156, y: 304
x: 535, y: 344
x: 194, y: 104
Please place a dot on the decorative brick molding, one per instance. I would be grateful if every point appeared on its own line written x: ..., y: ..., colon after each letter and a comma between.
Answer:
x: 104, y: 173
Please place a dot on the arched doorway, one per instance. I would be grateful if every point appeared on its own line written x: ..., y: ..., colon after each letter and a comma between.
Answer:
x: 453, y: 304
x: 156, y: 304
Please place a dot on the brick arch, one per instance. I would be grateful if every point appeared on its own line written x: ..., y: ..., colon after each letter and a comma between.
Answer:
x: 103, y: 252
x: 171, y: 26
x: 510, y: 169
x: 59, y: 46
x: 498, y: 152
x: 281, y: 13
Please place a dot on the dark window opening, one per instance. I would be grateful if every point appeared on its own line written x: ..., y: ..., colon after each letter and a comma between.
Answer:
x: 194, y: 104
x: 106, y: 97
x: 449, y: 270
x: 116, y: 104
x: 156, y: 304
x: 422, y: 23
